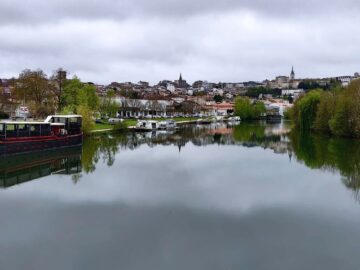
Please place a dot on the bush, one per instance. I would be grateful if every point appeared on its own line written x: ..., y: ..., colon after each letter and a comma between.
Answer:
x: 120, y: 126
x: 305, y: 109
x: 87, y: 121
x: 247, y: 110
x: 325, y: 113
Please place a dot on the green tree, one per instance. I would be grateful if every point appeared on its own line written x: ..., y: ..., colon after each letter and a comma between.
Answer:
x: 305, y: 110
x: 346, y: 121
x: 218, y: 98
x: 325, y: 113
x: 247, y: 110
x: 243, y: 108
x: 88, y: 123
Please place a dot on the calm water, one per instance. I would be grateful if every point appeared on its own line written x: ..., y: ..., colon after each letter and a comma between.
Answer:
x: 209, y: 197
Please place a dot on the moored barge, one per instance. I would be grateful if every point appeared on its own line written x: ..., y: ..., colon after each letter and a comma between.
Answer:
x: 27, y: 136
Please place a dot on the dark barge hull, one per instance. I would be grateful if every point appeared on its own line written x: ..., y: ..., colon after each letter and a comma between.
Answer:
x: 37, y: 144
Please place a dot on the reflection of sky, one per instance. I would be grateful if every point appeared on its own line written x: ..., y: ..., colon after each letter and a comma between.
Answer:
x: 206, y: 207
x: 227, y: 178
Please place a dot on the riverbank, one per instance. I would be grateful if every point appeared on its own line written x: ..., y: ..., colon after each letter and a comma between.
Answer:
x: 130, y: 124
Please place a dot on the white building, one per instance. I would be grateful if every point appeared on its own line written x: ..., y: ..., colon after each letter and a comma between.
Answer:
x: 345, y: 80
x: 292, y: 92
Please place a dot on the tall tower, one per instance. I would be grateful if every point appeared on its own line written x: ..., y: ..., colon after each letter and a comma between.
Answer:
x: 181, y: 82
x: 292, y: 74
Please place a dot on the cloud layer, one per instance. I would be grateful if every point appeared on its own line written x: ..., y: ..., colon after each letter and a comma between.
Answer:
x: 104, y: 41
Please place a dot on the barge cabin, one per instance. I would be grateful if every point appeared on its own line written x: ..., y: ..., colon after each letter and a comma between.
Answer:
x: 55, y: 131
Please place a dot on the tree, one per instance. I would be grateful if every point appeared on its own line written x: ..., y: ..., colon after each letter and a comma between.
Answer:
x: 325, y: 113
x: 87, y: 97
x: 346, y: 121
x: 108, y: 107
x: 305, y: 110
x: 35, y: 90
x: 247, y: 110
x: 58, y: 79
x: 218, y: 98
x: 87, y: 121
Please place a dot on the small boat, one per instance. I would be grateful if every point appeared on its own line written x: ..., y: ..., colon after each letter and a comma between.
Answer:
x: 167, y: 124
x: 234, y: 119
x: 219, y: 118
x: 147, y: 125
x: 28, y: 136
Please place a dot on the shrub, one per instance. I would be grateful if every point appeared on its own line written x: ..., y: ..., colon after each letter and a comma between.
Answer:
x: 87, y: 120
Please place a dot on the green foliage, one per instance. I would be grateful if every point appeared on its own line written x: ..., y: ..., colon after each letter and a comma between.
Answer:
x: 346, y: 121
x: 76, y: 94
x: 120, y: 126
x: 254, y: 92
x: 247, y: 110
x: 218, y: 98
x: 305, y: 109
x: 87, y: 121
x: 108, y: 107
x: 325, y: 113
x: 309, y: 85
x: 335, y: 112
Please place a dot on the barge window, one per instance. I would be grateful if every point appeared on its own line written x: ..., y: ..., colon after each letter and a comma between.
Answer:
x: 10, y: 130
x: 35, y: 130
x: 23, y: 130
x: 45, y: 130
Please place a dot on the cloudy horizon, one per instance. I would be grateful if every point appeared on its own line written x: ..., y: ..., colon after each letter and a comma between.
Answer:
x: 227, y: 41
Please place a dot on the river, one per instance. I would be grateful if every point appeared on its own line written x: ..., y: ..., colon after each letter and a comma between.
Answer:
x: 248, y: 196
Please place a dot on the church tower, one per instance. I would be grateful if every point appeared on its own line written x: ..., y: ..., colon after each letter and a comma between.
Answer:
x: 181, y: 82
x: 292, y: 74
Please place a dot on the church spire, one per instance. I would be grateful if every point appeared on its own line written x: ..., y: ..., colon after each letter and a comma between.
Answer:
x: 180, y: 79
x: 292, y: 74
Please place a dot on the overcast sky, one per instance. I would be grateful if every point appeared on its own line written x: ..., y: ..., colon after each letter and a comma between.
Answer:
x: 215, y: 40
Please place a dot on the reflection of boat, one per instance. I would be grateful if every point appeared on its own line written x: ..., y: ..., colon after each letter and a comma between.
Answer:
x: 206, y: 121
x: 146, y: 125
x: 167, y: 124
x: 27, y: 136
x: 25, y: 167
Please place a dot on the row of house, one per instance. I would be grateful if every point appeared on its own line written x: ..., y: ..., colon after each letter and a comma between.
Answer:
x: 139, y: 108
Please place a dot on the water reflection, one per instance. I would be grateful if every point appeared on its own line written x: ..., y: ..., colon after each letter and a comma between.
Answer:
x: 315, y: 152
x: 21, y: 168
x: 201, y: 197
x: 259, y: 134
x: 330, y: 154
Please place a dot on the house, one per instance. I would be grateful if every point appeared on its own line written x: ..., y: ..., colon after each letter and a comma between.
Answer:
x: 292, y: 92
x: 220, y: 109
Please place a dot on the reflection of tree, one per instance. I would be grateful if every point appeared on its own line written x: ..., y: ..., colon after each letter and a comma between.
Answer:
x: 104, y: 147
x: 100, y: 147
x: 333, y: 154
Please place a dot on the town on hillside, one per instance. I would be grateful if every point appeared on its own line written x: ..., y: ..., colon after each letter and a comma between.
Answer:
x: 22, y: 98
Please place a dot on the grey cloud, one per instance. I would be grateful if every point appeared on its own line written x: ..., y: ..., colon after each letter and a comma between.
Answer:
x: 104, y: 41
x: 39, y: 11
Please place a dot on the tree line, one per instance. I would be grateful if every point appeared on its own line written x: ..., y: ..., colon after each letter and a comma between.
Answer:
x: 45, y: 95
x: 335, y: 112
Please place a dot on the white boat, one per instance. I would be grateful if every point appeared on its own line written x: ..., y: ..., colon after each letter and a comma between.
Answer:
x: 146, y: 125
x: 167, y: 124
x: 234, y: 118
x: 218, y: 118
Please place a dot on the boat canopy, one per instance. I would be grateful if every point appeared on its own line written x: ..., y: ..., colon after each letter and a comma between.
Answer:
x: 72, y: 123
